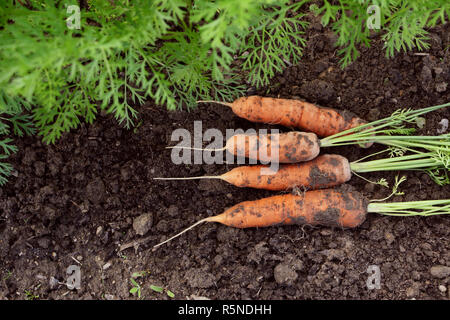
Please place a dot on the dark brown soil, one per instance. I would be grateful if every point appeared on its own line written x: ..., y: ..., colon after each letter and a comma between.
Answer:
x: 74, y: 203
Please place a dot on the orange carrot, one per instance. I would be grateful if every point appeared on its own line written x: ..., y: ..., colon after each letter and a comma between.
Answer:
x: 290, y: 147
x: 326, y: 207
x: 294, y: 114
x: 325, y: 171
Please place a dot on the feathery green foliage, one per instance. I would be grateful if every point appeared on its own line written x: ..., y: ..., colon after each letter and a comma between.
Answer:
x: 126, y: 52
x: 403, y: 23
x: 12, y: 121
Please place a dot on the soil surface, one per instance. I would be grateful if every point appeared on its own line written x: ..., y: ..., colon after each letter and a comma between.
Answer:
x: 78, y: 201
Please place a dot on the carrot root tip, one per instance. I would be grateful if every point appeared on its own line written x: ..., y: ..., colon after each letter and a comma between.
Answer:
x: 180, y: 233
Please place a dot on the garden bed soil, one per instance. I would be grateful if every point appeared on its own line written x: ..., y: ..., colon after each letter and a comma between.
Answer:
x: 75, y: 202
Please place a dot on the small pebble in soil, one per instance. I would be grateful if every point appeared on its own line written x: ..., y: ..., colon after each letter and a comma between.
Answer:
x: 99, y: 230
x: 426, y: 78
x: 413, y: 291
x: 284, y: 274
x: 441, y: 87
x: 96, y: 191
x: 442, y: 288
x: 143, y: 223
x: 439, y: 271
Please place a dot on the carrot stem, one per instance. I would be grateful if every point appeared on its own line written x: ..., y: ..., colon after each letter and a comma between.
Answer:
x: 381, y: 131
x: 411, y: 208
x: 416, y: 161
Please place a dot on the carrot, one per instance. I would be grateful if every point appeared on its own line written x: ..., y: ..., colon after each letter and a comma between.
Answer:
x: 326, y: 207
x: 325, y: 171
x: 343, y: 207
x: 329, y: 170
x: 296, y: 146
x: 294, y: 114
x: 290, y: 147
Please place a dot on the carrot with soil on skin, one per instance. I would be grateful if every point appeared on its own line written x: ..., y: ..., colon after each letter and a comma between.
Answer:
x: 322, y: 172
x: 293, y: 113
x: 290, y: 147
x: 329, y: 170
x: 320, y: 207
x: 326, y: 207
x: 294, y: 146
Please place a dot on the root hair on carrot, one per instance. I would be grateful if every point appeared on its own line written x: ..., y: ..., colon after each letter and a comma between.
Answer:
x: 209, y: 219
x: 192, y: 148
x: 188, y: 178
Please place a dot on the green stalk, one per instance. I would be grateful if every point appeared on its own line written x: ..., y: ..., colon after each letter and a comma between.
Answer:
x: 439, y: 144
x: 435, y: 164
x: 380, y: 131
x: 431, y: 143
x: 419, y: 161
x: 412, y: 208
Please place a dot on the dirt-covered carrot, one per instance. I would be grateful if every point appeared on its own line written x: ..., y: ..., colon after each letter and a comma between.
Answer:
x: 327, y: 207
x: 297, y: 146
x: 322, y: 172
x: 329, y: 170
x: 295, y: 114
x: 290, y: 147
